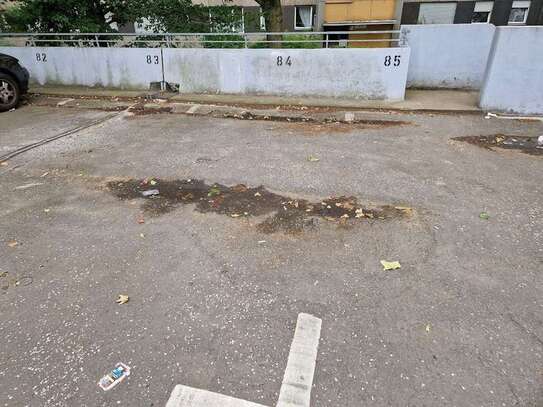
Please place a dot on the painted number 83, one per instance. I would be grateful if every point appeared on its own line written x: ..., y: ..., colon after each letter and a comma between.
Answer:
x: 396, y: 61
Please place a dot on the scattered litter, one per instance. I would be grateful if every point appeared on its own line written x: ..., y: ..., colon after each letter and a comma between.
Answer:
x: 150, y: 192
x: 45, y: 174
x: 24, y: 281
x: 405, y: 209
x: 113, y: 378
x: 65, y: 101
x: 152, y: 182
x: 312, y: 158
x: 510, y: 117
x: 484, y: 215
x: 13, y: 243
x: 528, y: 145
x: 31, y: 185
x: 213, y: 191
x: 123, y: 299
x: 540, y: 141
x: 261, y: 241
x: 291, y: 215
x: 6, y: 280
x: 141, y: 221
x: 349, y: 117
x: 142, y: 235
x: 427, y: 328
x: 390, y: 265
x: 47, y: 210
x: 4, y: 163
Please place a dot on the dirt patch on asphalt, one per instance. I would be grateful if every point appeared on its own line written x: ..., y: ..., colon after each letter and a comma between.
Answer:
x: 528, y: 145
x: 142, y: 110
x: 316, y: 129
x: 239, y: 201
x: 246, y: 115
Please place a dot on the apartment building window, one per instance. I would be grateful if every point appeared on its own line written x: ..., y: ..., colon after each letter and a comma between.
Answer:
x: 436, y: 13
x: 519, y: 12
x: 303, y: 17
x: 482, y: 12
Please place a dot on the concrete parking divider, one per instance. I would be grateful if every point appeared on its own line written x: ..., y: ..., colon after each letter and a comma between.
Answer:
x: 366, y: 74
x: 447, y: 55
x: 123, y: 68
x: 379, y: 73
x: 514, y: 77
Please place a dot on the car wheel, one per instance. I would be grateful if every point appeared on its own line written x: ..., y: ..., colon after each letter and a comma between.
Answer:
x: 9, y: 92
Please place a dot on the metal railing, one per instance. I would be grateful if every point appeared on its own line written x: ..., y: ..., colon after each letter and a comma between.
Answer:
x: 308, y: 39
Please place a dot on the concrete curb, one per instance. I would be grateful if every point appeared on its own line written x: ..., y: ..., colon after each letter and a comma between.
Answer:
x: 426, y: 101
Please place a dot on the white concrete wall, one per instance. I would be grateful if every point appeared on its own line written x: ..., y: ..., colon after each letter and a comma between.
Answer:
x: 448, y: 55
x: 514, y: 76
x: 350, y: 73
x: 125, y: 68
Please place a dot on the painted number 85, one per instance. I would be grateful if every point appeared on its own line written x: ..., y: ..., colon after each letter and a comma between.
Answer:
x: 388, y: 60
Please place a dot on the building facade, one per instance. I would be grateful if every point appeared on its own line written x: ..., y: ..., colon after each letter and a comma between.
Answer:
x: 497, y: 12
x: 363, y: 15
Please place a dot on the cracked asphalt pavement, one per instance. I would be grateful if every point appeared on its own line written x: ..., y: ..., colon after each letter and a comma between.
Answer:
x: 213, y: 300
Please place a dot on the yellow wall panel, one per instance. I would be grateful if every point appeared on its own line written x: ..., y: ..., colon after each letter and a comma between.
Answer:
x: 360, y: 10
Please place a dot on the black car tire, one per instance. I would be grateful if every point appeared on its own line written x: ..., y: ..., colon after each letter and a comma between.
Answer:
x: 10, y: 92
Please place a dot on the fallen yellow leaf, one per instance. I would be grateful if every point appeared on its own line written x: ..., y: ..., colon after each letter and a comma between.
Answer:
x: 427, y: 328
x: 405, y: 209
x: 123, y: 299
x: 390, y: 265
x: 13, y: 243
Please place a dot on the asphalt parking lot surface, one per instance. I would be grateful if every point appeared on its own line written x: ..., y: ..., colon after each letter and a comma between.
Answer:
x: 214, y: 295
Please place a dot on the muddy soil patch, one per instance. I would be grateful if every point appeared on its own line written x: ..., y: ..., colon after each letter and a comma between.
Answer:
x: 239, y: 201
x: 524, y: 144
x: 246, y: 115
x: 142, y: 110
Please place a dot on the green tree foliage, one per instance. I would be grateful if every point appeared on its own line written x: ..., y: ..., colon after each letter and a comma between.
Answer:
x: 183, y: 16
x: 69, y: 15
x: 98, y: 15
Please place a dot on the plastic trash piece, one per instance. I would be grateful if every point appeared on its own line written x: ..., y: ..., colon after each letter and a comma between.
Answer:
x: 150, y: 192
x: 113, y: 378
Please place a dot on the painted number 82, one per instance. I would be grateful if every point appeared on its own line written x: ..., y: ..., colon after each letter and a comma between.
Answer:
x: 395, y: 62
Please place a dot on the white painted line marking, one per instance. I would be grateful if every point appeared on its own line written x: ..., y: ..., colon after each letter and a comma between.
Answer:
x: 298, y: 379
x: 193, y: 109
x: 184, y: 396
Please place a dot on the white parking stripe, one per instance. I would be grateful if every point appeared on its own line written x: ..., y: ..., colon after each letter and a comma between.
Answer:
x: 184, y: 396
x: 298, y: 379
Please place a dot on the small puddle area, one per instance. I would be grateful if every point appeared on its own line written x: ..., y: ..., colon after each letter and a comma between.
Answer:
x: 528, y: 145
x: 283, y: 214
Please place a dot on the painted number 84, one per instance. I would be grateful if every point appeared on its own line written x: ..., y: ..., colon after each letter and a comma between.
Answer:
x: 284, y: 61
